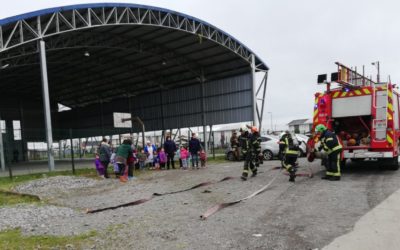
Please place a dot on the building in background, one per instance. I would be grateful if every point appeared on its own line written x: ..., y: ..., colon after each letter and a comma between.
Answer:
x: 300, y: 126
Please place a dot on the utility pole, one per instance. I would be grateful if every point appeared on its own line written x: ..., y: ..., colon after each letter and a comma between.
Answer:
x: 378, y: 68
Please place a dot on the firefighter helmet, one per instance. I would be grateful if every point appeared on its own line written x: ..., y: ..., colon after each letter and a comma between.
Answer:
x: 254, y: 129
x: 243, y: 129
x: 320, y: 128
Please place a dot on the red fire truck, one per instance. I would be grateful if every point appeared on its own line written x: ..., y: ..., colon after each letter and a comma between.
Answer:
x: 363, y: 113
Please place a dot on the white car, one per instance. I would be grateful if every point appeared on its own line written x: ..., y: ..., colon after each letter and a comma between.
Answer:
x: 303, y: 145
x: 269, y: 146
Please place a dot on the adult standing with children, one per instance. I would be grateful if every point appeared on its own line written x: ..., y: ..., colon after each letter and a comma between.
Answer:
x: 123, y: 152
x: 170, y: 149
x: 194, y: 149
x: 104, y: 155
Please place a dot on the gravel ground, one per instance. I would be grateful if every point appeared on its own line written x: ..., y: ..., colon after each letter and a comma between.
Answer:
x: 306, y: 215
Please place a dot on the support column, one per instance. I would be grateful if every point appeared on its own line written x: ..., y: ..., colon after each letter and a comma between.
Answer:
x: 60, y: 148
x: 102, y: 118
x: 253, y: 75
x: 203, y: 110
x: 46, y: 103
x: 24, y: 146
x: 2, y: 161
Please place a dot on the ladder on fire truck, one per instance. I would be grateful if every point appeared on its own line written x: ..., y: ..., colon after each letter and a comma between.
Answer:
x: 349, y: 78
x: 380, y: 103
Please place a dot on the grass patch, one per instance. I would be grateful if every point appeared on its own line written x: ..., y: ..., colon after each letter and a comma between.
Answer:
x: 12, y: 199
x: 13, y: 239
x: 218, y: 159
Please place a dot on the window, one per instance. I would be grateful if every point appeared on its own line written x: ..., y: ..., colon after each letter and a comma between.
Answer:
x: 265, y: 139
x: 3, y: 126
x: 17, y: 130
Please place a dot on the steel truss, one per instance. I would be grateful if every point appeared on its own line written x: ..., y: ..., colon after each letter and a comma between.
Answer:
x: 63, y: 21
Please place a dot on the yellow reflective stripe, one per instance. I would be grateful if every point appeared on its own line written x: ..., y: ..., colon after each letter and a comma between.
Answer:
x: 337, y: 147
x: 343, y: 94
x: 390, y: 94
x: 315, y: 112
x: 390, y: 106
x: 390, y: 117
x: 291, y: 152
x: 358, y: 92
x: 366, y: 91
x: 389, y: 139
x: 245, y: 171
x: 332, y: 174
x: 336, y: 94
x: 329, y: 139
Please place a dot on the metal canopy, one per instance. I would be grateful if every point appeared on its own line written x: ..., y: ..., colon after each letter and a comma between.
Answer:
x: 105, y: 51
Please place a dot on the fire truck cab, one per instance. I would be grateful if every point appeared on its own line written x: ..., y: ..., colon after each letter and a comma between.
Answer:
x: 364, y: 115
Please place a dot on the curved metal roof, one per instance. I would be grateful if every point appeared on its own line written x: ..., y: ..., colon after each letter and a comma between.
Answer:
x: 107, y: 50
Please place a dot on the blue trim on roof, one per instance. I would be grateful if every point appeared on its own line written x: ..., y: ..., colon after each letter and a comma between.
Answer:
x: 28, y: 15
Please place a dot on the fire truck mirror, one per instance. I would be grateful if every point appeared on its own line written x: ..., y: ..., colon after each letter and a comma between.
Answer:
x: 334, y: 77
x: 322, y: 78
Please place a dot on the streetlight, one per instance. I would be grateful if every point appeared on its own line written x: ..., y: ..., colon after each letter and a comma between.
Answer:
x: 272, y: 129
x: 376, y: 64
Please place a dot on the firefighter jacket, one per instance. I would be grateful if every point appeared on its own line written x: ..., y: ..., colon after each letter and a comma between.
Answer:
x: 287, y: 145
x: 329, y: 142
x: 255, y: 144
x: 244, y: 142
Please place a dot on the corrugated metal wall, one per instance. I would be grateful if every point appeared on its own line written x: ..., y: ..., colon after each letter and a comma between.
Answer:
x: 226, y: 101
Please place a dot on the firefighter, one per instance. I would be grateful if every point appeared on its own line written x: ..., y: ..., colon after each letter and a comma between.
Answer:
x: 255, y: 146
x: 246, y: 147
x: 289, y: 151
x: 235, y: 145
x: 330, y: 144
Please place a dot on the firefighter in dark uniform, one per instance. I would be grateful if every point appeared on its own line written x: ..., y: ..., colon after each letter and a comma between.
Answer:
x: 235, y: 145
x: 251, y: 149
x: 330, y: 144
x: 289, y: 151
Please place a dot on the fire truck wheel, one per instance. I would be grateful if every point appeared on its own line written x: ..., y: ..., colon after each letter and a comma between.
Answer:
x: 343, y: 163
x: 394, y: 163
x: 391, y: 163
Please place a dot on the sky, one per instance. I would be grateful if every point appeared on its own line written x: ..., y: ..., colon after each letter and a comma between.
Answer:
x: 297, y: 39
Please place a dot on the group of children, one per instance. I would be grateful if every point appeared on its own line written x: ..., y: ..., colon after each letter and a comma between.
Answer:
x: 141, y: 160
x: 185, y: 158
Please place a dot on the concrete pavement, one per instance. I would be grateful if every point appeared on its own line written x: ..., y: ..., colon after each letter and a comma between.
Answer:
x: 377, y: 229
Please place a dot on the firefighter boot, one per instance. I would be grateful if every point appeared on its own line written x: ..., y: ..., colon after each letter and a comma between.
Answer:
x: 334, y: 178
x: 292, y: 174
x: 244, y: 177
x: 254, y: 174
x: 326, y: 177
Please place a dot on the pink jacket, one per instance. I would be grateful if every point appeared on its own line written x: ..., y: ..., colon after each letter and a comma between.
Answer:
x: 163, y: 157
x: 184, y: 154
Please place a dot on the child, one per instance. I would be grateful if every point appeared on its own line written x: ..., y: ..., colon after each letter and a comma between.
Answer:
x: 178, y: 153
x: 163, y: 158
x: 156, y: 161
x: 184, y: 154
x: 203, y: 158
x: 99, y: 166
x: 115, y: 165
x: 142, y: 159
x: 131, y: 162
